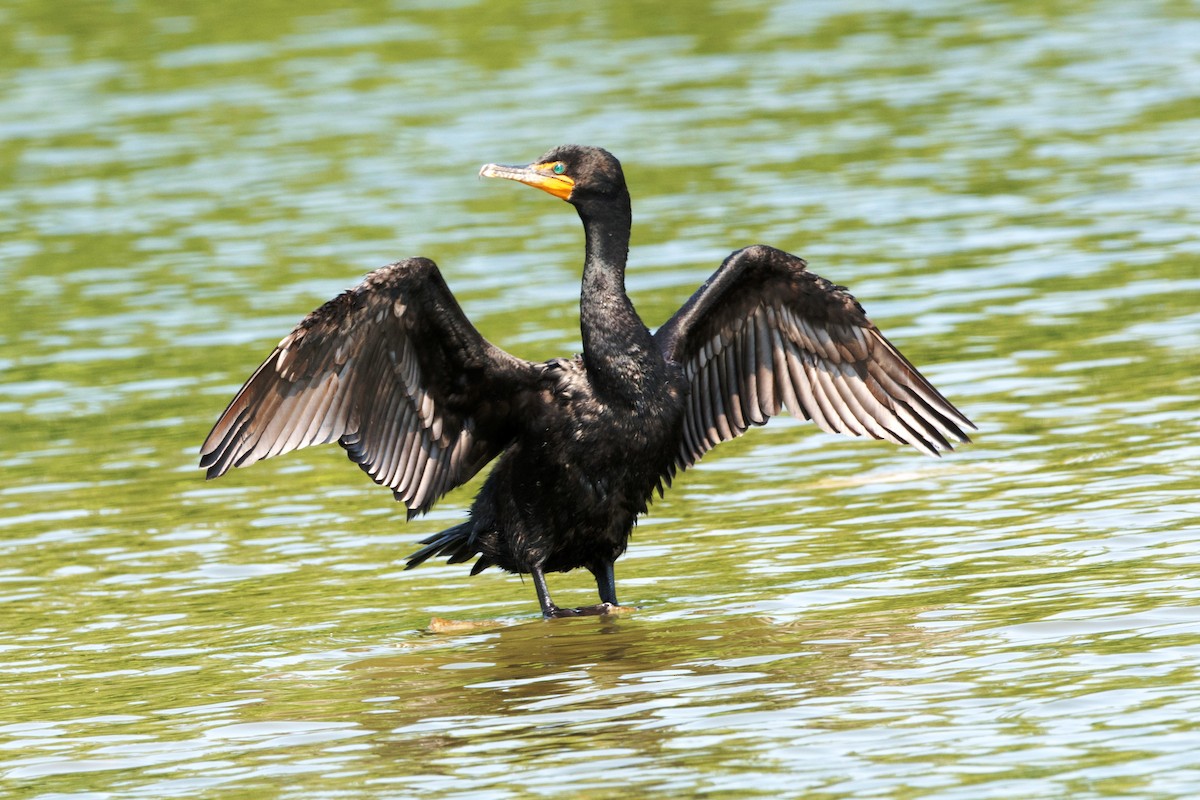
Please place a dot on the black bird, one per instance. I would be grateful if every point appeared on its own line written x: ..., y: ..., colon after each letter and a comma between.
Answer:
x: 394, y: 372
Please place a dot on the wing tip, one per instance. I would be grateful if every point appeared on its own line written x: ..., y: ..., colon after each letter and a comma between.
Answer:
x: 214, y: 462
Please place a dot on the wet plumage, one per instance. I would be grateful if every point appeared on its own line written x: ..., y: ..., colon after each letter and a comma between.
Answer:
x: 395, y: 372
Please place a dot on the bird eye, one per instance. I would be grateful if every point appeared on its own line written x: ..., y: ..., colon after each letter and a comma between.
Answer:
x: 559, y: 168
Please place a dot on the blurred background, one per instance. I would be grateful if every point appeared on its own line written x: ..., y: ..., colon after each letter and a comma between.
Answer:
x: 1010, y: 188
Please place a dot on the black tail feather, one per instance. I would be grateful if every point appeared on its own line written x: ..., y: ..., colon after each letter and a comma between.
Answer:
x: 458, y: 543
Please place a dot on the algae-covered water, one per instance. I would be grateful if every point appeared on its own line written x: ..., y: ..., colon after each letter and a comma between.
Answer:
x: 1010, y: 188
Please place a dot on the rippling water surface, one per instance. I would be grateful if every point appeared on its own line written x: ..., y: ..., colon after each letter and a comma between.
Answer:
x: 1011, y: 190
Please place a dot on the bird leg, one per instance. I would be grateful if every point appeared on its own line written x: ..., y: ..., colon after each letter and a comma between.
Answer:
x: 551, y: 611
x: 606, y: 582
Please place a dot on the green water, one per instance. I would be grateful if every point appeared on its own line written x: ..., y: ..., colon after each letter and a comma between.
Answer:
x: 1011, y: 190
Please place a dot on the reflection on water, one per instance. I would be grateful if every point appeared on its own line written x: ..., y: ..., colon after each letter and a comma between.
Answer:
x: 1008, y: 187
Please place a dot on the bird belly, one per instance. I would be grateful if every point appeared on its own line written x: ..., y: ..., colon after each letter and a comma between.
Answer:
x: 568, y: 494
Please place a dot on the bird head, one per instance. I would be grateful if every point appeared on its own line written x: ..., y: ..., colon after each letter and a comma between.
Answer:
x: 570, y: 172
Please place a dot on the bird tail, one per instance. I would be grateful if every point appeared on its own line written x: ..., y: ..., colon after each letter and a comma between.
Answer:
x: 458, y: 543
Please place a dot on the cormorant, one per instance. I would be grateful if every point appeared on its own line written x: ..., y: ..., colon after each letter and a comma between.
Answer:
x: 394, y: 372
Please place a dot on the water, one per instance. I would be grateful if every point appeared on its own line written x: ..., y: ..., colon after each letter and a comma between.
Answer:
x: 1008, y: 187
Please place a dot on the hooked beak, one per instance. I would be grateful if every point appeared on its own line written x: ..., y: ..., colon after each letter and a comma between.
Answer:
x: 540, y: 176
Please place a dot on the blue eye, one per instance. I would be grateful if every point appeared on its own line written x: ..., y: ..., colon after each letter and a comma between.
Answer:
x: 559, y: 168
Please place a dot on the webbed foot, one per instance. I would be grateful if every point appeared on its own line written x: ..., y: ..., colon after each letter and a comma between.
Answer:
x: 598, y: 610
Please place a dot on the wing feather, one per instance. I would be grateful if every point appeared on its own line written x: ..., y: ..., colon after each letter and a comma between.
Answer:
x: 393, y: 371
x: 765, y: 334
x: 733, y: 389
x: 768, y: 392
x: 783, y: 372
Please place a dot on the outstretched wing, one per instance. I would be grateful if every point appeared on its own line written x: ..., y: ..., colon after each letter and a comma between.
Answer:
x: 764, y: 333
x: 394, y: 372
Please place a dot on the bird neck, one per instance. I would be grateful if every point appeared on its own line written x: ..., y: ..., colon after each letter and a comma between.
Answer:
x: 618, y: 351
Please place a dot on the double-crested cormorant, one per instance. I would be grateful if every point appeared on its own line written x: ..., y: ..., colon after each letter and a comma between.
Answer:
x: 395, y: 373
